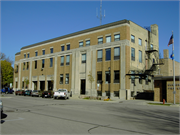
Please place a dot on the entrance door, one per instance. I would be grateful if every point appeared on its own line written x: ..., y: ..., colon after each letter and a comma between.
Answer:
x: 164, y: 91
x: 83, y: 86
x: 42, y: 85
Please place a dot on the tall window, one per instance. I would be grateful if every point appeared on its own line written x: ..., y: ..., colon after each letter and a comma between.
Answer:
x: 116, y: 53
x: 24, y: 65
x: 43, y: 63
x: 117, y: 37
x: 151, y: 47
x: 35, y: 64
x: 36, y: 53
x: 100, y: 40
x: 99, y: 76
x: 116, y: 76
x: 87, y: 42
x: 140, y: 41
x: 61, y: 78
x: 140, y: 56
x: 62, y: 48
x: 51, y: 50
x: 68, y: 47
x: 107, y: 75
x: 133, y: 54
x: 51, y: 62
x: 83, y: 58
x: 67, y: 59
x: 28, y: 55
x: 132, y: 77
x: 43, y: 52
x: 62, y: 60
x: 108, y: 54
x: 108, y: 39
x: 24, y: 55
x: 81, y: 44
x: 67, y: 79
x: 22, y: 84
x: 99, y: 55
x: 27, y: 65
x: 132, y: 38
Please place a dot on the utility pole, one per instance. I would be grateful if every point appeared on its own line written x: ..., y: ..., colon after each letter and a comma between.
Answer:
x: 100, y: 16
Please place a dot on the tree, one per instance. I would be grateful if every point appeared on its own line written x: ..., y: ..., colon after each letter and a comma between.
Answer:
x: 6, y: 73
x: 3, y: 57
x: 91, y: 79
x: 27, y: 82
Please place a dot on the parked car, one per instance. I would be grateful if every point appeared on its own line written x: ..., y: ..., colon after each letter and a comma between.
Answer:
x: 19, y: 92
x: 27, y: 92
x: 10, y: 91
x: 36, y: 93
x: 61, y: 93
x: 3, y: 90
x: 47, y: 94
x: 1, y: 106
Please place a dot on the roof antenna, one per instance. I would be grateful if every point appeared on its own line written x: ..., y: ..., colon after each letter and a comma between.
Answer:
x: 100, y: 17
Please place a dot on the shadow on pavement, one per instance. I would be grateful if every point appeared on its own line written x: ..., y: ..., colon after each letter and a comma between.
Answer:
x: 2, y: 117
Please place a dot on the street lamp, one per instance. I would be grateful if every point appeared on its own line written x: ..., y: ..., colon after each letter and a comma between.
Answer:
x: 109, y: 82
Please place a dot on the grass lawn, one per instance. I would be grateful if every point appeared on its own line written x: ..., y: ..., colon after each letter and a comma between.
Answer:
x: 159, y: 104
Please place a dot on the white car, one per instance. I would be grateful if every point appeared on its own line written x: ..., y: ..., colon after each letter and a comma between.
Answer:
x: 61, y: 93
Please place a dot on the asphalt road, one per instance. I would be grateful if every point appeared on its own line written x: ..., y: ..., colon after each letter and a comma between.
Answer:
x: 35, y: 115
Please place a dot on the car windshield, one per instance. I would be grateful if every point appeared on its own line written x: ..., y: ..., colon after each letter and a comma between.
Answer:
x: 35, y: 91
x: 62, y: 90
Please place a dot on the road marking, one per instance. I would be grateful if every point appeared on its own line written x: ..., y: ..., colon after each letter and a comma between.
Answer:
x: 19, y: 118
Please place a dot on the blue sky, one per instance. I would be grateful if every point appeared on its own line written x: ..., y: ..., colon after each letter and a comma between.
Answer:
x: 27, y: 22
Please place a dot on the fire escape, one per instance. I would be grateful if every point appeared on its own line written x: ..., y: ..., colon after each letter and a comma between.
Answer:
x: 152, y: 61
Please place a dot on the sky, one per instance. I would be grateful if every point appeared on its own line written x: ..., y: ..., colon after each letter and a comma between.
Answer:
x: 27, y: 22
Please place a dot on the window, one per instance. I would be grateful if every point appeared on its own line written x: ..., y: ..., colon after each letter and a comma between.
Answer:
x: 24, y: 55
x: 140, y: 56
x: 68, y: 47
x: 108, y: 39
x: 146, y: 79
x: 43, y: 63
x: 27, y: 65
x: 62, y: 48
x: 87, y: 42
x: 151, y: 47
x: 140, y: 41
x: 28, y: 55
x: 36, y: 53
x: 108, y: 54
x: 99, y: 58
x: 107, y: 75
x: 133, y: 77
x: 43, y: 52
x: 61, y: 78
x: 132, y: 39
x: 62, y: 60
x: 133, y: 54
x: 67, y: 79
x: 117, y: 37
x: 140, y: 79
x: 51, y: 62
x: 51, y: 50
x: 100, y: 40
x: 99, y: 76
x: 24, y: 65
x: 80, y: 44
x: 116, y: 76
x: 67, y: 59
x: 35, y: 64
x: 83, y: 58
x: 116, y: 53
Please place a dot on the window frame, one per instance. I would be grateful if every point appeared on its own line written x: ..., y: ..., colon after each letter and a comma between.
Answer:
x: 116, y: 80
x: 116, y: 39
x: 43, y: 52
x: 116, y: 57
x: 107, y: 39
x: 51, y: 62
x: 100, y: 42
x: 132, y: 38
x: 81, y: 44
x: 99, y: 59
x: 67, y: 79
x: 67, y: 63
x: 140, y: 56
x: 107, y: 79
x: 36, y: 53
x: 88, y: 44
x: 83, y: 61
x: 140, y: 41
x: 62, y: 48
x: 99, y: 79
x: 107, y: 54
x: 27, y: 66
x: 133, y: 57
x: 24, y: 55
x: 51, y: 50
x: 62, y: 63
x: 43, y: 63
x: 68, y: 47
x: 35, y: 64
x: 61, y: 79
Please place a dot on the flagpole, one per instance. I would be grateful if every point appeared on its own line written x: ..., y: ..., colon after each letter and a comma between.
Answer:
x: 174, y: 92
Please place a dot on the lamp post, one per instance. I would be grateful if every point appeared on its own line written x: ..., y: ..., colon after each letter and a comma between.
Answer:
x: 109, y: 82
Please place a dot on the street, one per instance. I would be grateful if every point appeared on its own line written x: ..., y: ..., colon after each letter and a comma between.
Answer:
x: 36, y: 115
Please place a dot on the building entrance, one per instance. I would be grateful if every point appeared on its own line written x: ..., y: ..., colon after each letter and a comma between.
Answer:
x: 50, y: 85
x: 83, y: 87
x: 42, y: 85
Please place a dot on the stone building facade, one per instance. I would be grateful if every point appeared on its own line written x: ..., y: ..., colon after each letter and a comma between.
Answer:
x: 108, y: 54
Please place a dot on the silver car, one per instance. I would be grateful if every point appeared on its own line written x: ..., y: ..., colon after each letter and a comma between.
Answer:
x: 1, y: 104
x: 61, y: 93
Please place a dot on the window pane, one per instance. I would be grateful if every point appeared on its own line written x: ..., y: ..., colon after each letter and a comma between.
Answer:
x: 80, y: 44
x: 51, y: 50
x: 151, y: 47
x: 35, y: 64
x: 108, y: 39
x: 140, y: 41
x: 140, y: 56
x: 99, y: 76
x: 99, y: 53
x: 132, y: 39
x: 67, y: 79
x: 100, y: 40
x: 28, y: 55
x: 87, y: 42
x: 51, y: 62
x: 83, y: 58
x: 67, y: 58
x: 116, y: 76
x: 68, y: 47
x: 43, y: 63
x: 61, y: 78
x: 133, y: 54
x: 117, y: 37
x: 43, y: 52
x: 107, y: 77
x: 36, y: 53
x: 24, y: 55
x: 108, y: 54
x: 62, y: 48
x: 62, y: 60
